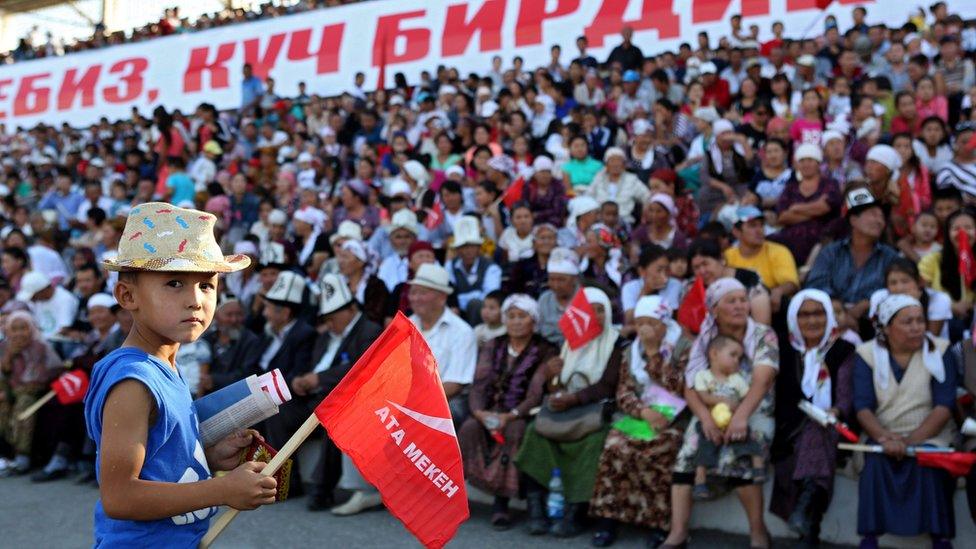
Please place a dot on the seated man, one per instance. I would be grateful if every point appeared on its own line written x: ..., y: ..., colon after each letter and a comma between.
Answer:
x: 851, y: 269
x: 473, y: 275
x: 451, y: 339
x: 236, y: 350
x: 563, y: 268
x: 773, y: 262
x: 403, y: 230
x: 54, y: 308
x: 344, y: 335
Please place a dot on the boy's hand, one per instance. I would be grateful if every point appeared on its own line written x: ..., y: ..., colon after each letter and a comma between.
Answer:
x: 225, y: 455
x: 245, y: 488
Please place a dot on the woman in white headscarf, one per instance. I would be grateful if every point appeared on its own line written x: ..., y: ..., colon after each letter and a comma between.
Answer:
x: 508, y: 382
x: 728, y: 315
x: 358, y: 267
x: 904, y: 395
x: 818, y: 368
x: 633, y: 482
x: 586, y: 375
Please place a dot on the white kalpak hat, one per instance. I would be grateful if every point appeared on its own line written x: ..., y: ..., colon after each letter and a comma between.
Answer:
x: 563, y: 261
x: 288, y: 288
x: 433, y: 276
x: 348, y: 230
x: 335, y: 294
x: 467, y: 231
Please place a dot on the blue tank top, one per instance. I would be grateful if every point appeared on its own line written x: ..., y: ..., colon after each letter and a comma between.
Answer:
x: 173, y: 450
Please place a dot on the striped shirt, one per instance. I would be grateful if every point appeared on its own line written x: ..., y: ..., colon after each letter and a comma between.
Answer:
x: 959, y: 175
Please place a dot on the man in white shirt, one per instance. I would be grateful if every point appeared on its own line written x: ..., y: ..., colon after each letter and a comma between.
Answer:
x: 203, y: 170
x: 54, y: 307
x: 473, y: 275
x: 450, y: 339
x: 403, y: 230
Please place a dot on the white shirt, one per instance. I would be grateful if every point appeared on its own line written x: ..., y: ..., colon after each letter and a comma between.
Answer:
x: 56, y: 313
x: 335, y: 341
x: 276, y: 340
x: 393, y: 271
x: 491, y: 281
x: 630, y: 293
x: 454, y: 346
x: 47, y: 261
x: 516, y: 246
x: 202, y: 171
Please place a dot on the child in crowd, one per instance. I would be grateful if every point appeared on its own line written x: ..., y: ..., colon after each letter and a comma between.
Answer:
x: 844, y: 323
x: 153, y: 473
x: 921, y: 241
x: 678, y: 267
x: 491, y: 318
x: 722, y: 386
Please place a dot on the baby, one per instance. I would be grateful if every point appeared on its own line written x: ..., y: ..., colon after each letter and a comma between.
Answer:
x: 722, y: 386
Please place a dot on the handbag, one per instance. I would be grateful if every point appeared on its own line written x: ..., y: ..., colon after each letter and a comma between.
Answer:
x: 574, y: 423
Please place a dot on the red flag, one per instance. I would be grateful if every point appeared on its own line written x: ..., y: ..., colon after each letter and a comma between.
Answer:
x: 957, y: 463
x: 967, y: 266
x: 381, y: 79
x: 579, y: 323
x: 434, y: 216
x: 822, y: 4
x: 390, y: 416
x: 71, y: 387
x: 514, y: 192
x: 692, y: 311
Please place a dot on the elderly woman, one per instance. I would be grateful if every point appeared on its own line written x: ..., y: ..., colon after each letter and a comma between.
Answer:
x: 707, y: 262
x: 508, y: 382
x: 728, y: 307
x: 546, y: 194
x: 576, y: 378
x: 633, y: 481
x: 614, y: 184
x: 312, y: 243
x: 27, y: 365
x: 357, y: 270
x: 817, y: 368
x: 904, y: 394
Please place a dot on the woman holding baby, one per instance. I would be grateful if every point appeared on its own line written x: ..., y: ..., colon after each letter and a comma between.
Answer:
x: 751, y: 418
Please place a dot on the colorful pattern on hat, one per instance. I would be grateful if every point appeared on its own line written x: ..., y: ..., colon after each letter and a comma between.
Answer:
x: 162, y: 237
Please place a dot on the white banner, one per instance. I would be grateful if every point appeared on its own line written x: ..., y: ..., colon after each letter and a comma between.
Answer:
x: 326, y: 47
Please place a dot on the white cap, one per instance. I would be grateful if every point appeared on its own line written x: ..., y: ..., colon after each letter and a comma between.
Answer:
x: 313, y: 216
x: 829, y: 135
x: 708, y: 68
x: 642, y: 126
x: 886, y: 155
x: 335, y: 294
x: 404, y: 219
x: 349, y: 230
x: 454, y: 170
x: 399, y: 186
x: 433, y: 276
x: 31, y: 283
x: 563, y: 261
x: 614, y: 151
x: 583, y: 205
x: 488, y: 109
x: 542, y: 163
x: 288, y: 288
x: 467, y: 230
x: 97, y: 162
x: 652, y: 306
x: 721, y: 126
x: 708, y: 114
x: 808, y: 150
x: 806, y: 60
x: 100, y: 300
x: 447, y: 89
x: 416, y: 171
x: 277, y: 217
x: 246, y: 247
x: 305, y: 157
x: 273, y: 253
x: 396, y: 100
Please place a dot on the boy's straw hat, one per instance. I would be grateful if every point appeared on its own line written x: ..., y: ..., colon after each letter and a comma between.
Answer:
x: 162, y: 237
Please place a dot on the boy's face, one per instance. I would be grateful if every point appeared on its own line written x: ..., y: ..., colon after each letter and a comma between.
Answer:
x: 925, y: 230
x: 171, y: 307
x: 944, y: 207
x: 725, y: 359
x: 491, y: 312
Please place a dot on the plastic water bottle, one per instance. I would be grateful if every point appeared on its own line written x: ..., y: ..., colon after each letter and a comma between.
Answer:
x: 556, y: 503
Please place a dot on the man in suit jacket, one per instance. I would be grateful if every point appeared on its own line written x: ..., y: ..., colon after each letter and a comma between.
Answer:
x: 345, y: 334
x: 236, y: 350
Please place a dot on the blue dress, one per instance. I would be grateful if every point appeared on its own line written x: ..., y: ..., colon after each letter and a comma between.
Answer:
x: 173, y: 449
x: 901, y: 497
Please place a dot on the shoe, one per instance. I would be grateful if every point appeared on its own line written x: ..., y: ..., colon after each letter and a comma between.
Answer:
x: 603, y: 538
x: 567, y: 527
x: 701, y: 492
x: 656, y: 538
x: 538, y: 522
x: 320, y: 503
x: 799, y: 520
x: 359, y: 502
x: 47, y: 476
x: 501, y: 520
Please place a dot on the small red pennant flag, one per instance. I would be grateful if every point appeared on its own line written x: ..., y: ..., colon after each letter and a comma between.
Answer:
x: 390, y: 416
x: 967, y: 265
x: 957, y: 463
x: 692, y: 311
x: 579, y: 323
x: 434, y: 216
x: 514, y: 192
x: 70, y: 387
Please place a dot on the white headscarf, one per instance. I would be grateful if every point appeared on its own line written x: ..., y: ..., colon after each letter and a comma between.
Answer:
x: 813, y: 357
x: 653, y: 306
x: 591, y: 359
x: 524, y: 303
x: 882, y: 360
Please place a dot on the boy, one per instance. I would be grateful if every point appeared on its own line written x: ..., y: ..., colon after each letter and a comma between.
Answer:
x: 492, y: 324
x: 722, y: 386
x: 153, y: 473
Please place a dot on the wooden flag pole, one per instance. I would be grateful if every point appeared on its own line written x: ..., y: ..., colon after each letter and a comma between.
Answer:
x: 33, y: 408
x: 270, y: 469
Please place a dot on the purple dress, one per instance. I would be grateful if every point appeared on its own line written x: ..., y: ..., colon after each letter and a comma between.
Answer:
x: 801, y: 237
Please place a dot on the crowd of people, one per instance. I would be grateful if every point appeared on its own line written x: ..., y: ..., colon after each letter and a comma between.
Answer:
x: 815, y: 196
x: 38, y: 45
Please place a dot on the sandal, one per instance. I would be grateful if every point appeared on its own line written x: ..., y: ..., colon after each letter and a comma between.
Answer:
x: 701, y: 492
